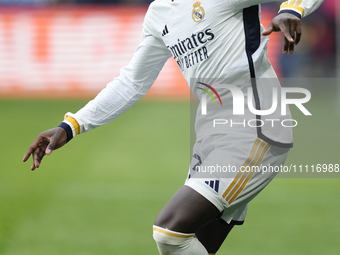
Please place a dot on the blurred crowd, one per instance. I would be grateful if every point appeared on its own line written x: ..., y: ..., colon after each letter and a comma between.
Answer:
x: 314, y: 57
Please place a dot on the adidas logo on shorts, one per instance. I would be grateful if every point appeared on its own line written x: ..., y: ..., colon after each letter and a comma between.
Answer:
x: 214, y: 184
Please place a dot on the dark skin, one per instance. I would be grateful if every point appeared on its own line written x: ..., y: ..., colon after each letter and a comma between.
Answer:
x: 290, y: 26
x: 45, y: 143
x: 195, y: 214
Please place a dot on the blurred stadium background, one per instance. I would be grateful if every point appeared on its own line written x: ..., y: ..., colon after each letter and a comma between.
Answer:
x: 102, y: 192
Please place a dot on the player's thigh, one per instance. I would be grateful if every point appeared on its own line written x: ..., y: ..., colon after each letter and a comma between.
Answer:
x: 187, y: 211
x: 213, y: 235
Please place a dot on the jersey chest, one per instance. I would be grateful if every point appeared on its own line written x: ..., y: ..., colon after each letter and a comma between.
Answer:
x: 188, y: 31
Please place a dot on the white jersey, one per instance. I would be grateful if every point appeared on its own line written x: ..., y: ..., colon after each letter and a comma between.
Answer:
x: 211, y: 40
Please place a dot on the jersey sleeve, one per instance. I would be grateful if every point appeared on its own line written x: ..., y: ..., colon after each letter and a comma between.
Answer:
x: 120, y: 94
x: 241, y: 4
x: 300, y: 8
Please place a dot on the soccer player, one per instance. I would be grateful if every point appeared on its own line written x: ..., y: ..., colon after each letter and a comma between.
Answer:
x: 214, y: 42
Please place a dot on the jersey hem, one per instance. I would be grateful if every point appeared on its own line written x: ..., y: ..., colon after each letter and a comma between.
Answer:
x: 205, y: 193
x: 252, y: 32
x: 232, y: 222
x: 272, y: 142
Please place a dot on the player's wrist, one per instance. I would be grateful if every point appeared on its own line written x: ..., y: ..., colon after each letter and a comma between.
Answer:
x: 71, y: 126
x: 68, y: 130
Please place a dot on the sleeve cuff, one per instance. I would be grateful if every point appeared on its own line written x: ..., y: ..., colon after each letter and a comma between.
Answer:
x: 71, y: 126
x: 68, y: 130
x: 297, y: 14
x: 293, y: 8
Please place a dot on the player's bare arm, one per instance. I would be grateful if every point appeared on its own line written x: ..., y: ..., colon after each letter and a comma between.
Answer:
x: 45, y: 143
x: 290, y: 26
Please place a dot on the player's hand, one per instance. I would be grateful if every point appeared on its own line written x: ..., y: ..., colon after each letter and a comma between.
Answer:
x: 290, y: 25
x: 45, y: 143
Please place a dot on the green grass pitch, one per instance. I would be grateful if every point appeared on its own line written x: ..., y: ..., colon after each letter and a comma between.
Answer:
x: 101, y: 193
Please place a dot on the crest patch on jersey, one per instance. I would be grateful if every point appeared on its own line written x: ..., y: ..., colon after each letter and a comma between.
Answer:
x: 198, y: 12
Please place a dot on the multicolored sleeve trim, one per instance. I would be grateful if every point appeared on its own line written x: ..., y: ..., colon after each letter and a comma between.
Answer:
x: 293, y: 7
x: 71, y: 126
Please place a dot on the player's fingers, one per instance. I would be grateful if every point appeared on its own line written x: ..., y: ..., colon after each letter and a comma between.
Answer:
x: 37, y: 157
x: 285, y: 46
x: 293, y: 35
x: 27, y: 155
x: 50, y: 147
x: 298, y: 32
x: 57, y: 140
x: 285, y: 28
x: 269, y: 30
x: 34, y: 164
x: 52, y: 144
x: 37, y: 143
x: 41, y: 156
x: 30, y: 150
x: 291, y: 48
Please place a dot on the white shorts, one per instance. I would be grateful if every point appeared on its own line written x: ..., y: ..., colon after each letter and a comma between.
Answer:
x: 231, y: 170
